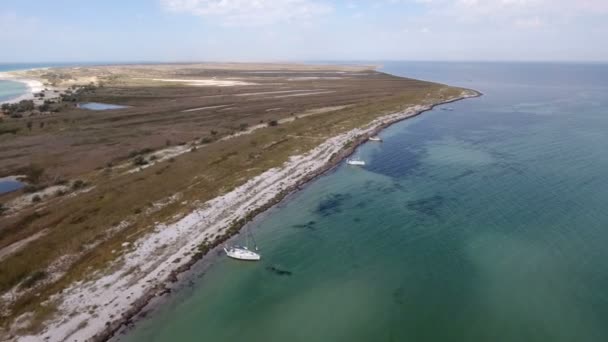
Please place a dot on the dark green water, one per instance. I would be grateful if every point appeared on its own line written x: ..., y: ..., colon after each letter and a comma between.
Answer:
x: 485, y: 223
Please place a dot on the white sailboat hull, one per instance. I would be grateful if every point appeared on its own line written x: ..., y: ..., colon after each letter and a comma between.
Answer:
x: 241, y: 253
x: 355, y: 162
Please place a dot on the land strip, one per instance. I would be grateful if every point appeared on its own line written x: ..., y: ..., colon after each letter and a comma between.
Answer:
x: 125, y: 233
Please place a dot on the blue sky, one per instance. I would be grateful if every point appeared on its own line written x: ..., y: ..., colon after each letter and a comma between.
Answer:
x: 299, y: 30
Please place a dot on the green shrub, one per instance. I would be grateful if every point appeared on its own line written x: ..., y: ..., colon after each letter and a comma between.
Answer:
x: 140, y: 161
x: 33, y: 279
x: 78, y: 184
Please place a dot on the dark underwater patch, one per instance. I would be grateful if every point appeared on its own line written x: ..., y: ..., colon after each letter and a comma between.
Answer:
x: 361, y: 204
x: 310, y: 225
x: 278, y: 271
x: 428, y: 206
x: 462, y: 175
x: 332, y: 204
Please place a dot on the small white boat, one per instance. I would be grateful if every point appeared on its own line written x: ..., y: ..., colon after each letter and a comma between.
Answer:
x: 355, y: 162
x: 375, y: 138
x: 242, y: 253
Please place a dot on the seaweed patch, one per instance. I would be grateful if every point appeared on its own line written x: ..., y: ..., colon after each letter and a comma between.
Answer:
x: 332, y: 204
x: 428, y: 205
x: 278, y: 271
x: 310, y: 225
x: 462, y: 175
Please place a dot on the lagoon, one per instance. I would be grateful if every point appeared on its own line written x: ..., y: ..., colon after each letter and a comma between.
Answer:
x: 100, y: 106
x: 9, y: 185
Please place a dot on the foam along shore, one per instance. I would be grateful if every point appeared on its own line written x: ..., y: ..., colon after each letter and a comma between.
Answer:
x: 34, y: 86
x: 153, y: 261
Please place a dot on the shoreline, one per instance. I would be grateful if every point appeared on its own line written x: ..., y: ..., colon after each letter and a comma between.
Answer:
x: 121, y: 295
x: 34, y: 86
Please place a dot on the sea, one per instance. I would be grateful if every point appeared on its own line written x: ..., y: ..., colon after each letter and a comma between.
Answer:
x: 481, y: 220
x: 10, y: 89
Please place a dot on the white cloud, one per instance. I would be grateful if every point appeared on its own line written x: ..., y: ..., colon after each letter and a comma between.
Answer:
x: 250, y: 12
x: 529, y: 23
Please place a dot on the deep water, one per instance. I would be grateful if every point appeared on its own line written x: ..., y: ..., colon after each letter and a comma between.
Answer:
x: 485, y: 223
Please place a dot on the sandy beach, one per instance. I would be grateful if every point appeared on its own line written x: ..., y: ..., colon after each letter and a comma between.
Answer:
x: 34, y: 86
x: 156, y: 259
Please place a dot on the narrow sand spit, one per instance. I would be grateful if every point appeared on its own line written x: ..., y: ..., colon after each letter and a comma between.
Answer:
x: 277, y: 92
x: 141, y: 272
x: 203, y: 108
x: 305, y: 94
x: 208, y: 82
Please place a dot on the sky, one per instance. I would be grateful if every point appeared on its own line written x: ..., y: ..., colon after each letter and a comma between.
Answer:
x: 302, y: 30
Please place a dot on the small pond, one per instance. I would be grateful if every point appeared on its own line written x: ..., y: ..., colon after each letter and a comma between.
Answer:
x: 8, y: 185
x: 100, y: 106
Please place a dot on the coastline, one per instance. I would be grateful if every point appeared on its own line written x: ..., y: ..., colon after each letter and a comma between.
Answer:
x: 34, y: 86
x: 122, y: 294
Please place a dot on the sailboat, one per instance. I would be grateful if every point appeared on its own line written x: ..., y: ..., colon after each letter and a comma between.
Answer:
x: 356, y: 161
x: 243, y: 252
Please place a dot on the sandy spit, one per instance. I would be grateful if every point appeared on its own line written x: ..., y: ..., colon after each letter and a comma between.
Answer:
x: 155, y: 259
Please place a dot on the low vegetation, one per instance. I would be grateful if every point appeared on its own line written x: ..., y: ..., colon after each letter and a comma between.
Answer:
x: 79, y: 144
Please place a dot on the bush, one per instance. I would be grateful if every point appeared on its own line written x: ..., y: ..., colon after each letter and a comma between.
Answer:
x: 60, y: 181
x: 140, y: 161
x: 273, y: 123
x: 78, y: 184
x: 34, y: 279
x: 36, y: 199
x: 3, y: 208
x: 135, y: 153
x: 34, y: 173
x: 206, y: 140
x: 243, y: 126
x: 32, y: 188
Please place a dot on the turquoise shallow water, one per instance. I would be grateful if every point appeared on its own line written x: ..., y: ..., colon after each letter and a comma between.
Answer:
x: 485, y: 223
x: 10, y: 90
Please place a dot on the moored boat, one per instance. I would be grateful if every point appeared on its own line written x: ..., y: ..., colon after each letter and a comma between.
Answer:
x: 375, y: 138
x: 355, y: 162
x: 243, y: 252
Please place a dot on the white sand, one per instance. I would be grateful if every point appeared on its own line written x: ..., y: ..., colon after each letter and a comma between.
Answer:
x: 208, y: 82
x: 305, y: 94
x: 86, y: 307
x: 203, y: 108
x: 34, y: 86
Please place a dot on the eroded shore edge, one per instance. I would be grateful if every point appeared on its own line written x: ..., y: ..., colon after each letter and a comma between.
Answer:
x: 162, y: 274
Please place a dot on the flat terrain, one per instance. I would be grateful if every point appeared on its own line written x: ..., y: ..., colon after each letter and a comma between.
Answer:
x: 175, y: 104
x: 190, y: 133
